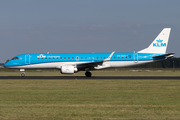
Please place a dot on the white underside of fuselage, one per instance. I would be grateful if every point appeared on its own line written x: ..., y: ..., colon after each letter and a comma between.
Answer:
x: 57, y: 65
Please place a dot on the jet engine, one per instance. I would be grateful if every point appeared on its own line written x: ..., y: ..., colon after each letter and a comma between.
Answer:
x: 68, y: 69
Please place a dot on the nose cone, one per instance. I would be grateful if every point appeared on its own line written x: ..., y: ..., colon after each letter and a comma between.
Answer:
x: 6, y: 65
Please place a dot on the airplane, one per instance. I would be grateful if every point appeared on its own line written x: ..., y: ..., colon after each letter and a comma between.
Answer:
x: 70, y: 63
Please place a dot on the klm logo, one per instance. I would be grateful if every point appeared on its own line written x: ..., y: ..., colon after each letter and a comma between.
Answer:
x: 41, y: 56
x: 159, y: 43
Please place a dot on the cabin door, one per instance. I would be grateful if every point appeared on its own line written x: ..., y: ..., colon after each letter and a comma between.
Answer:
x: 27, y: 59
x: 135, y: 57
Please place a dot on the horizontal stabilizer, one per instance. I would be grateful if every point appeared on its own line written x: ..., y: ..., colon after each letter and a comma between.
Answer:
x: 168, y: 55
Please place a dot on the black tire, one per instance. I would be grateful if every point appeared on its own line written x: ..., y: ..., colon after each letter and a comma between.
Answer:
x: 23, y: 74
x: 88, y: 74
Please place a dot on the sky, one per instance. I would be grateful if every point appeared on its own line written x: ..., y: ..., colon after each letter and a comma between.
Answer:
x: 79, y: 26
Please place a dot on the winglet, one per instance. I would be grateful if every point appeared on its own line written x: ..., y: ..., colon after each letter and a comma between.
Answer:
x: 108, y: 59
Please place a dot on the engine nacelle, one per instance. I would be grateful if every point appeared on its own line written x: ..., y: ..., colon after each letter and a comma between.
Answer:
x: 68, y: 69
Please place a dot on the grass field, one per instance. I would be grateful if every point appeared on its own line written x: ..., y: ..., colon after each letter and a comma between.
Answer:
x: 90, y: 99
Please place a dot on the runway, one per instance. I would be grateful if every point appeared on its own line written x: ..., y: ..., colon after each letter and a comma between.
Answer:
x: 93, y: 77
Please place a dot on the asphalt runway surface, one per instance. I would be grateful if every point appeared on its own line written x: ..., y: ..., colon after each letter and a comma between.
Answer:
x: 93, y: 77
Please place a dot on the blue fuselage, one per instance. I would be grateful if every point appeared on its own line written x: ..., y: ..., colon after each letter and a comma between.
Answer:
x: 55, y: 60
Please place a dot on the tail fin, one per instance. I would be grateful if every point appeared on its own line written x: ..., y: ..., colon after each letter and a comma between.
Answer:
x: 159, y: 44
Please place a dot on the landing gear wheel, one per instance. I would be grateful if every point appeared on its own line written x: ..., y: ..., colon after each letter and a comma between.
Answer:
x: 88, y: 74
x: 22, y: 74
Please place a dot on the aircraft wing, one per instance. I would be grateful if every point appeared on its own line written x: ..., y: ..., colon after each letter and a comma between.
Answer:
x: 89, y: 64
x: 94, y: 64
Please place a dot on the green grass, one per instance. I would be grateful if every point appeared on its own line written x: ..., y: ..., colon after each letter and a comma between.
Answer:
x: 89, y: 99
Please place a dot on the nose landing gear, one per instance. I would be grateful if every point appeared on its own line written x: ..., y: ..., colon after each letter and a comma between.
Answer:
x: 22, y: 72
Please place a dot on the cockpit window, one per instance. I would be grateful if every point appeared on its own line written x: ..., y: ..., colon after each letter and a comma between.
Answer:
x: 15, y: 58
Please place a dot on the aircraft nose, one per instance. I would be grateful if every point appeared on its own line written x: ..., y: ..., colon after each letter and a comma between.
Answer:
x: 6, y: 65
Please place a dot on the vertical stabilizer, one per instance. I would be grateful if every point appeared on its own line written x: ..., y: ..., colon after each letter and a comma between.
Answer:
x: 159, y: 45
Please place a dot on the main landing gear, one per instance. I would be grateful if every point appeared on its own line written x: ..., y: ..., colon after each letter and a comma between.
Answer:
x: 22, y: 72
x: 88, y: 74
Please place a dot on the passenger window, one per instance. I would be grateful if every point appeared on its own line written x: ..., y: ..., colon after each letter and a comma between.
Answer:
x: 68, y: 57
x: 93, y: 57
x: 72, y: 57
x: 89, y: 57
x: 114, y: 57
x: 57, y: 57
x: 65, y: 58
x: 104, y: 57
x: 41, y: 58
x: 38, y: 58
